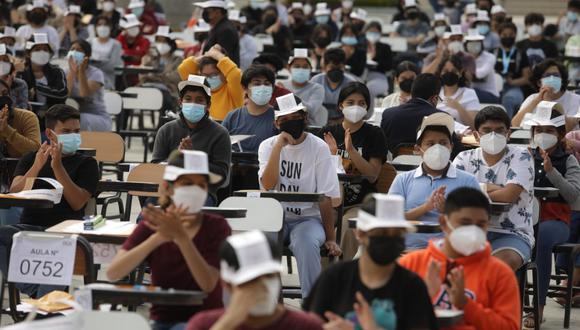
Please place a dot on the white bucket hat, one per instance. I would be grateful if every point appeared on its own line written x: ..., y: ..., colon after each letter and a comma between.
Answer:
x: 389, y: 213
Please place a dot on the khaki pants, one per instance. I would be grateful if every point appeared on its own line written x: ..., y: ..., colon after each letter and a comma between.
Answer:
x: 349, y: 244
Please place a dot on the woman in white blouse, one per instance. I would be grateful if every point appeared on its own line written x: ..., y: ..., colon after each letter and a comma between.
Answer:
x: 405, y: 74
x: 459, y: 101
x: 106, y: 51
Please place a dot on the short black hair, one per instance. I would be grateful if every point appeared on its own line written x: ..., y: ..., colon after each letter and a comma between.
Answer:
x: 534, y: 18
x: 346, y: 27
x: 270, y: 58
x: 228, y: 254
x: 374, y: 24
x: 206, y: 61
x: 353, y: 88
x: 425, y: 86
x: 103, y: 18
x: 257, y: 70
x: 406, y: 66
x: 507, y: 25
x: 574, y: 4
x: 491, y: 113
x: 60, y: 112
x: 540, y: 68
x: 434, y: 128
x: 466, y: 197
x: 196, y: 89
x: 85, y: 45
x: 334, y: 56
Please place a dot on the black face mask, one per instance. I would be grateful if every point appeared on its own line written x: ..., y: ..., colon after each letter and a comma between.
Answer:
x: 322, y: 42
x: 406, y: 85
x: 335, y: 75
x: 384, y: 250
x: 293, y: 127
x: 449, y: 79
x: 205, y: 15
x: 270, y: 20
x: 412, y: 15
x: 357, y: 27
x: 508, y: 42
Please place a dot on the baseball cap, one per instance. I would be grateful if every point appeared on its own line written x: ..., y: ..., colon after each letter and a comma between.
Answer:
x: 193, y: 80
x: 194, y: 162
x: 437, y: 119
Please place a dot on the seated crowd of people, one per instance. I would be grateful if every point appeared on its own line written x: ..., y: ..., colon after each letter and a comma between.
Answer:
x: 317, y: 91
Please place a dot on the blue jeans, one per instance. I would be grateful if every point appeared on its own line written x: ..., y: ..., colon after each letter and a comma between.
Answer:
x: 511, y: 99
x: 6, y: 234
x: 305, y: 237
x: 10, y: 216
x: 573, y: 238
x: 550, y: 233
x: 505, y: 241
x: 417, y: 241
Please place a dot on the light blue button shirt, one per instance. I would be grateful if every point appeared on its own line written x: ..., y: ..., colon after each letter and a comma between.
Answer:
x: 416, y: 186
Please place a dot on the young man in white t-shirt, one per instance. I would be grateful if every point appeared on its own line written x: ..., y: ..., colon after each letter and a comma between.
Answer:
x: 297, y: 161
x: 508, y: 172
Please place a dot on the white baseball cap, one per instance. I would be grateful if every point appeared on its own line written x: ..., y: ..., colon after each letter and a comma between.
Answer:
x: 163, y: 31
x: 129, y: 21
x: 359, y: 14
x: 473, y: 35
x: 322, y: 9
x: 136, y: 4
x: 287, y: 105
x: 193, y: 80
x: 496, y: 9
x: 542, y: 116
x: 389, y: 213
x: 194, y: 162
x: 212, y: 4
x: 437, y: 119
x: 254, y: 257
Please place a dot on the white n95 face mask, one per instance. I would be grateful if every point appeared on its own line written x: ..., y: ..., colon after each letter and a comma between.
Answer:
x: 493, y: 143
x: 192, y: 198
x: 545, y: 140
x: 467, y: 240
x: 437, y: 157
x: 354, y: 113
x: 268, y: 306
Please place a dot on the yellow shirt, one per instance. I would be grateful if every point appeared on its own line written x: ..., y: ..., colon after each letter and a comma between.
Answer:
x: 229, y: 96
x: 22, y: 134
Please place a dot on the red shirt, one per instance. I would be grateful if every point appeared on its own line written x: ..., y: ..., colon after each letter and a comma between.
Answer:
x: 138, y: 48
x: 290, y: 320
x: 277, y: 92
x: 169, y: 268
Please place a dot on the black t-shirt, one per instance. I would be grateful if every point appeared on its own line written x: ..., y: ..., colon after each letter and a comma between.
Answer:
x: 404, y: 298
x: 369, y: 140
x: 83, y: 171
x: 517, y: 61
x: 537, y: 51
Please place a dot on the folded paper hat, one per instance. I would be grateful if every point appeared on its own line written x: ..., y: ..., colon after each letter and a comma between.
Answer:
x: 194, y: 162
x: 300, y: 53
x: 542, y: 116
x: 389, y: 212
x: 254, y: 257
x: 193, y: 80
x: 287, y: 105
x: 482, y: 16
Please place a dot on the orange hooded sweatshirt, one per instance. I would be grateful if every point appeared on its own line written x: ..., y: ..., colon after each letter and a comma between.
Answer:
x: 229, y: 96
x: 490, y: 285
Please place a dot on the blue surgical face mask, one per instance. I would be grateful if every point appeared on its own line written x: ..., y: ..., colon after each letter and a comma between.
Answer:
x: 572, y: 16
x: 300, y: 75
x: 323, y: 19
x: 70, y: 142
x: 483, y: 29
x: 553, y: 82
x: 193, y: 112
x: 373, y: 37
x: 349, y: 40
x: 261, y: 95
x: 138, y: 11
x: 214, y: 82
x: 77, y: 56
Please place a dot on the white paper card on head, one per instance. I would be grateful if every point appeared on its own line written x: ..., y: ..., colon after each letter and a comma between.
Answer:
x: 410, y: 3
x: 42, y: 258
x: 2, y: 49
x: 104, y: 253
x: 456, y: 29
x: 301, y: 53
x: 197, y: 79
x: 253, y: 194
x: 286, y: 102
x: 40, y: 38
x: 163, y: 30
x: 544, y: 111
x: 38, y: 3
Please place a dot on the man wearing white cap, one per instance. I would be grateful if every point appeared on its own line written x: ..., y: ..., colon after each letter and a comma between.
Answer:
x: 250, y: 271
x: 179, y: 242
x: 384, y: 295
x: 222, y: 32
x: 36, y: 16
x: 195, y: 130
x: 425, y: 188
x: 297, y: 161
x: 311, y: 93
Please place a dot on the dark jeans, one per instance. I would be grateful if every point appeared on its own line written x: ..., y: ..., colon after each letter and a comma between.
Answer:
x: 574, y: 237
x: 6, y: 234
